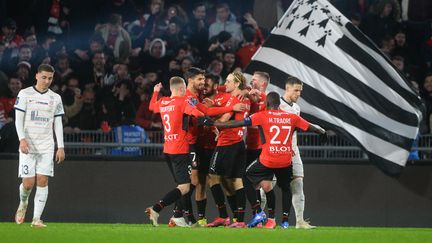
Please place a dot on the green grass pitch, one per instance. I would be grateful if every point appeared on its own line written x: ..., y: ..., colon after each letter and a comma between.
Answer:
x: 74, y: 232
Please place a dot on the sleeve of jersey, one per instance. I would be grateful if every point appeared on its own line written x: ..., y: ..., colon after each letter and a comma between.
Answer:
x: 302, y: 123
x: 59, y: 111
x: 20, y: 103
x: 254, y: 119
x: 153, y: 106
x: 214, y: 111
x: 58, y: 129
x: 191, y: 109
x: 19, y: 124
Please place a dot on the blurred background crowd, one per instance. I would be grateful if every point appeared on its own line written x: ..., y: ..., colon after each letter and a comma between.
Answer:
x: 108, y: 54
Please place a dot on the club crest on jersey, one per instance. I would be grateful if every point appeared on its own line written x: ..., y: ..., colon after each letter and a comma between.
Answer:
x: 17, y: 101
x: 192, y: 101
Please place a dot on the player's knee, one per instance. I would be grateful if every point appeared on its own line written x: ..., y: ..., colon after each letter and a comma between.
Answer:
x: 28, y: 184
x: 184, y: 188
x: 42, y: 180
x: 266, y: 186
x: 213, y: 180
x: 297, y: 185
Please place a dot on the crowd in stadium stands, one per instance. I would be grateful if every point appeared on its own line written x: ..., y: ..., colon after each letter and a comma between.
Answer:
x: 109, y: 54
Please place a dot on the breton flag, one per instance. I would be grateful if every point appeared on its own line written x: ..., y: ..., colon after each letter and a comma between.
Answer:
x: 349, y: 86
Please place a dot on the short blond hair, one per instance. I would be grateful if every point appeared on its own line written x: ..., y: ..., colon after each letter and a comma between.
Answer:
x: 176, y: 82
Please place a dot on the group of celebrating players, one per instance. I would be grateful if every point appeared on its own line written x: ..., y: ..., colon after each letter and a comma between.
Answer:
x: 204, y: 147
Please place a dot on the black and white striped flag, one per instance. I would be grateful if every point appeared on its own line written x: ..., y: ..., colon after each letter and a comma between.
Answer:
x: 349, y: 85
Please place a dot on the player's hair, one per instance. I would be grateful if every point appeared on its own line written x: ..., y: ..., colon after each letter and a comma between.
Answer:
x: 264, y: 75
x: 239, y: 78
x: 192, y: 72
x: 273, y: 100
x: 176, y: 82
x: 223, y: 5
x: 45, y: 68
x: 292, y: 81
x: 212, y: 77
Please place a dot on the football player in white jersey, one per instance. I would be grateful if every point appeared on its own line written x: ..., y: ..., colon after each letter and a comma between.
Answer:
x: 293, y: 89
x: 37, y: 110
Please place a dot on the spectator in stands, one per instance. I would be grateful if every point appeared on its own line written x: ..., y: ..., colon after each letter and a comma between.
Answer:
x: 116, y: 38
x: 426, y: 93
x: 95, y: 74
x: 86, y: 118
x: 382, y: 21
x: 215, y: 68
x: 81, y: 56
x: 229, y: 61
x: 252, y: 41
x: 10, y: 63
x: 144, y: 117
x: 226, y: 21
x: 120, y: 72
x: 8, y: 34
x: 119, y: 107
x: 2, y: 49
x: 197, y: 29
x: 153, y: 57
x: 173, y: 11
x: 62, y: 66
x: 7, y: 101
x: 142, y: 29
x: 124, y: 8
x: 220, y: 44
x: 185, y: 64
x: 387, y: 45
x: 23, y: 70
x: 172, y: 35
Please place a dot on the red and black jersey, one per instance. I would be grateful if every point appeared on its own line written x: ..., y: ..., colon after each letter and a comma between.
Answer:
x: 230, y: 136
x: 253, y: 140
x: 175, y: 112
x: 278, y: 127
x: 210, y: 111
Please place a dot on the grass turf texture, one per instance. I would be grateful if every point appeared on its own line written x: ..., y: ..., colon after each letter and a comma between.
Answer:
x: 71, y: 232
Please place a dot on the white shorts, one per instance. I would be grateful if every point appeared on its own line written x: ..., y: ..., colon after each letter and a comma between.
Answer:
x: 297, y: 166
x: 32, y: 164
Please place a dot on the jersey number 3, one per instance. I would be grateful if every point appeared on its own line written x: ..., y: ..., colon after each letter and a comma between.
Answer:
x: 167, y: 126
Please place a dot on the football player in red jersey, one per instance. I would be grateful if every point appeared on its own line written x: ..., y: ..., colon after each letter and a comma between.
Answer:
x: 195, y: 78
x: 276, y: 156
x: 176, y: 147
x: 260, y: 81
x: 228, y: 161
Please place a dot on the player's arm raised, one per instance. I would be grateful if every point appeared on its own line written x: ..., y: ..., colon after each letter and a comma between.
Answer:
x: 153, y: 107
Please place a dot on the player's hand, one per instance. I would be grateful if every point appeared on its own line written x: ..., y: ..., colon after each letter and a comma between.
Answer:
x: 60, y: 155
x: 24, y: 148
x: 239, y: 107
x: 157, y: 87
x: 205, y: 120
x: 323, y: 138
x: 208, y: 102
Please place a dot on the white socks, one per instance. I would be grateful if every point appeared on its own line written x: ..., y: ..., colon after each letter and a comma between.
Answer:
x: 298, y: 198
x: 24, y: 194
x: 39, y: 201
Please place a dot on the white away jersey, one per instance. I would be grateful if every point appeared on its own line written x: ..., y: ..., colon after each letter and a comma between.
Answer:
x: 40, y: 110
x: 294, y: 109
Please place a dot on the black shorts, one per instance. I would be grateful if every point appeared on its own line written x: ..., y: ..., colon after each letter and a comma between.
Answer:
x: 252, y: 155
x: 257, y: 172
x: 204, y: 156
x: 229, y: 161
x: 179, y: 165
